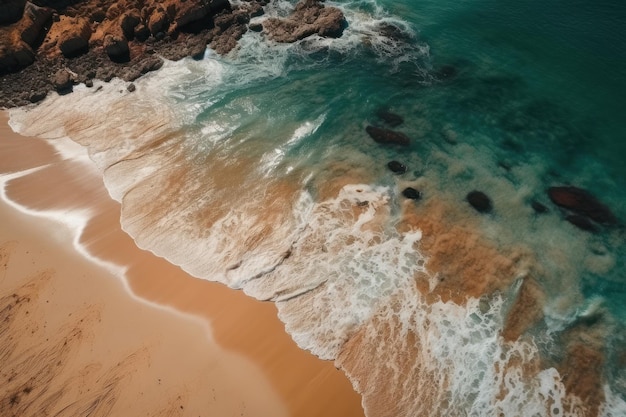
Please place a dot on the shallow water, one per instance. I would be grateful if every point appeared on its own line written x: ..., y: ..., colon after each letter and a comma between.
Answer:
x: 255, y: 170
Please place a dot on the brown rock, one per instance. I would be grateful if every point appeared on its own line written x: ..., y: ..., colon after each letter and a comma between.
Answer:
x: 309, y: 17
x: 15, y: 55
x: 62, y: 81
x: 74, y: 37
x: 581, y: 202
x: 128, y: 22
x: 37, y: 96
x: 33, y: 23
x: 387, y: 137
x: 116, y: 48
x: 188, y: 12
x: 158, y: 22
x: 141, y: 32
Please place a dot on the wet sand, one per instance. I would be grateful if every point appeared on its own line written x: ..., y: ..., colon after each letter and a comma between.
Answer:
x: 176, y: 346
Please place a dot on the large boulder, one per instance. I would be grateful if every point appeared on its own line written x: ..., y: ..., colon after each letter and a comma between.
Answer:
x: 128, y: 22
x: 387, y: 137
x: 310, y: 17
x: 72, y: 35
x: 581, y: 202
x: 62, y: 81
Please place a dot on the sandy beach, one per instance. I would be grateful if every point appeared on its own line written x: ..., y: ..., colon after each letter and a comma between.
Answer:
x: 93, y: 325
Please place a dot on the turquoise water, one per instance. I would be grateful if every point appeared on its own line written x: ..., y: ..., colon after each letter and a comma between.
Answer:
x: 256, y: 171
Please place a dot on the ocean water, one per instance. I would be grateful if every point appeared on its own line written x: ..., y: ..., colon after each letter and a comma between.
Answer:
x: 255, y: 170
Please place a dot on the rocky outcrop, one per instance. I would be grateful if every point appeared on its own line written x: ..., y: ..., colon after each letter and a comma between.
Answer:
x: 18, y: 40
x: 583, y: 203
x: 310, y: 17
x: 387, y: 137
x: 108, y: 38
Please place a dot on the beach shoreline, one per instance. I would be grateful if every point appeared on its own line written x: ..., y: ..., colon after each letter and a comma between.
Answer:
x: 231, y: 352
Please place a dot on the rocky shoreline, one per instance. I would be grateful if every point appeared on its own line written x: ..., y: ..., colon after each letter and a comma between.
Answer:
x: 48, y: 45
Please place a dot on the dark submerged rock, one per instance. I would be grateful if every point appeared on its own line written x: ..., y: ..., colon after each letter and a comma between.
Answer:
x: 396, y: 167
x: 479, y: 201
x: 447, y: 72
x: 411, y: 193
x: 387, y: 137
x: 538, y: 207
x: 394, y: 32
x: 582, y: 222
x: 389, y: 118
x: 581, y: 202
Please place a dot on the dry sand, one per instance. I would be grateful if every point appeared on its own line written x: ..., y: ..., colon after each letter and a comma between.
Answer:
x: 78, y: 339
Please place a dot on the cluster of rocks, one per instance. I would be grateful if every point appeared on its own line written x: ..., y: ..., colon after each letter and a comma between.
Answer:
x: 578, y: 206
x: 43, y: 43
x: 310, y: 17
x: 386, y: 136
